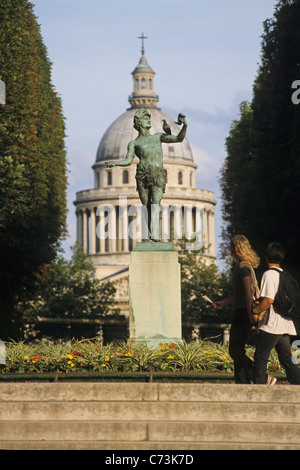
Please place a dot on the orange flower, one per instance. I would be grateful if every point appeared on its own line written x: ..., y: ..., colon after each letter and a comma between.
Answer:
x: 76, y: 353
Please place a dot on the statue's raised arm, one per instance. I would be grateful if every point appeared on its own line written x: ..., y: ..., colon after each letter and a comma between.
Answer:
x: 168, y: 138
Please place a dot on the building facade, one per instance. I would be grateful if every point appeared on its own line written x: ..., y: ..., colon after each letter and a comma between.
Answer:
x: 110, y: 216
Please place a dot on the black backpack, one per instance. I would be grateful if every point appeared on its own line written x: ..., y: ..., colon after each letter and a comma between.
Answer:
x: 287, y: 298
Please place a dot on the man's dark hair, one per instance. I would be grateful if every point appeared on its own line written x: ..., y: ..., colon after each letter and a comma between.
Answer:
x: 275, y: 253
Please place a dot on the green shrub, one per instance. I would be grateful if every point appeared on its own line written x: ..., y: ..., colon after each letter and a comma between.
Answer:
x: 93, y: 356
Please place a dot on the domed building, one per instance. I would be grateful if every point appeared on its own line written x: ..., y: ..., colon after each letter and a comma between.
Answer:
x: 109, y: 216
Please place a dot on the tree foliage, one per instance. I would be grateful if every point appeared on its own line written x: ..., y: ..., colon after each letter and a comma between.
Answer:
x: 199, y: 278
x: 32, y: 155
x: 260, y: 179
x: 235, y: 172
x: 68, y: 289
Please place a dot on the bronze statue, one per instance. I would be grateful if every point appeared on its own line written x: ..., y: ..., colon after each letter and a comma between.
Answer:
x: 150, y: 173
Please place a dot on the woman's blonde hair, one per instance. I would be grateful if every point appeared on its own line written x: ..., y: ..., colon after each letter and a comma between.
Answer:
x: 241, y: 248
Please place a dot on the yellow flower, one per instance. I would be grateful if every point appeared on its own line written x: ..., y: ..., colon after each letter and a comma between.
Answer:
x: 69, y: 356
x: 71, y: 363
x: 26, y: 358
x: 106, y: 358
x: 170, y: 357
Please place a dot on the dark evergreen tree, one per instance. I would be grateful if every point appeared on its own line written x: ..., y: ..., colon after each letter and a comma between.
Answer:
x: 235, y: 177
x: 32, y: 158
x: 262, y: 201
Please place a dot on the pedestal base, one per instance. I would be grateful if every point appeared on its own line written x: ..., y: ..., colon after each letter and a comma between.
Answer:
x: 155, y: 295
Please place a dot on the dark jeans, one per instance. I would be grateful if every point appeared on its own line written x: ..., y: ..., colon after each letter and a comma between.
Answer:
x: 265, y: 343
x: 239, y: 332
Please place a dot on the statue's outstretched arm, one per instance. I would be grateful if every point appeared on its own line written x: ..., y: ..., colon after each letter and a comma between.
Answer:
x: 128, y: 160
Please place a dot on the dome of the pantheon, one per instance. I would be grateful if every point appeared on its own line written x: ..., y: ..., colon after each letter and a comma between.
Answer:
x: 114, y: 143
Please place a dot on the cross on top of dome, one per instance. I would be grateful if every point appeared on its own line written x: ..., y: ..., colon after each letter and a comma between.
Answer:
x: 142, y: 37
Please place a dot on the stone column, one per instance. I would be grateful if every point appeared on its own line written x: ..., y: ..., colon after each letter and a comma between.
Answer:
x: 177, y: 221
x: 100, y: 228
x: 123, y: 223
x: 188, y: 221
x: 197, y: 235
x: 79, y: 226
x: 165, y: 222
x: 93, y: 231
x: 199, y: 222
x: 112, y: 229
x: 84, y: 229
x: 205, y: 229
x: 211, y: 222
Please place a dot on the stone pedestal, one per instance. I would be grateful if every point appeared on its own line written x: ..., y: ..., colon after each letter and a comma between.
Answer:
x: 155, y: 294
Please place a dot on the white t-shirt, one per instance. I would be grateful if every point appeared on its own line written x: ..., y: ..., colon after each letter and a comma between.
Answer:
x: 273, y: 322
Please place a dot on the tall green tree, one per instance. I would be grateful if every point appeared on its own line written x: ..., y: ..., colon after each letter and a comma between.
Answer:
x: 32, y: 157
x: 236, y: 175
x: 263, y: 200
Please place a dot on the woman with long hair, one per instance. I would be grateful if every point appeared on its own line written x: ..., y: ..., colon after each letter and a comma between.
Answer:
x: 243, y: 280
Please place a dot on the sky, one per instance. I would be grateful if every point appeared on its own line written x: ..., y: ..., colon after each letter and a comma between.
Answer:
x: 205, y: 54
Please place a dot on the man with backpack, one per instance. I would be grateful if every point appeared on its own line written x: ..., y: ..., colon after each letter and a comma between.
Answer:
x: 279, y: 299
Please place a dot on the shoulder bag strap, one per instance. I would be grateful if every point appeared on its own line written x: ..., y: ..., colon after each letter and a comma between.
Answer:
x: 253, y: 279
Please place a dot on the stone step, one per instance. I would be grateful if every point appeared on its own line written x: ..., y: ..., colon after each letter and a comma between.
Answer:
x: 137, y: 447
x: 149, y: 411
x: 148, y: 416
x: 158, y: 392
x: 139, y: 432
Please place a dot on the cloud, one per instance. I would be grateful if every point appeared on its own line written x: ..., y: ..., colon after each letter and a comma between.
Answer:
x: 220, y: 117
x: 208, y: 168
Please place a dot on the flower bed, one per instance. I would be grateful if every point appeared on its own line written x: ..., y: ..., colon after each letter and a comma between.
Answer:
x: 91, y: 356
